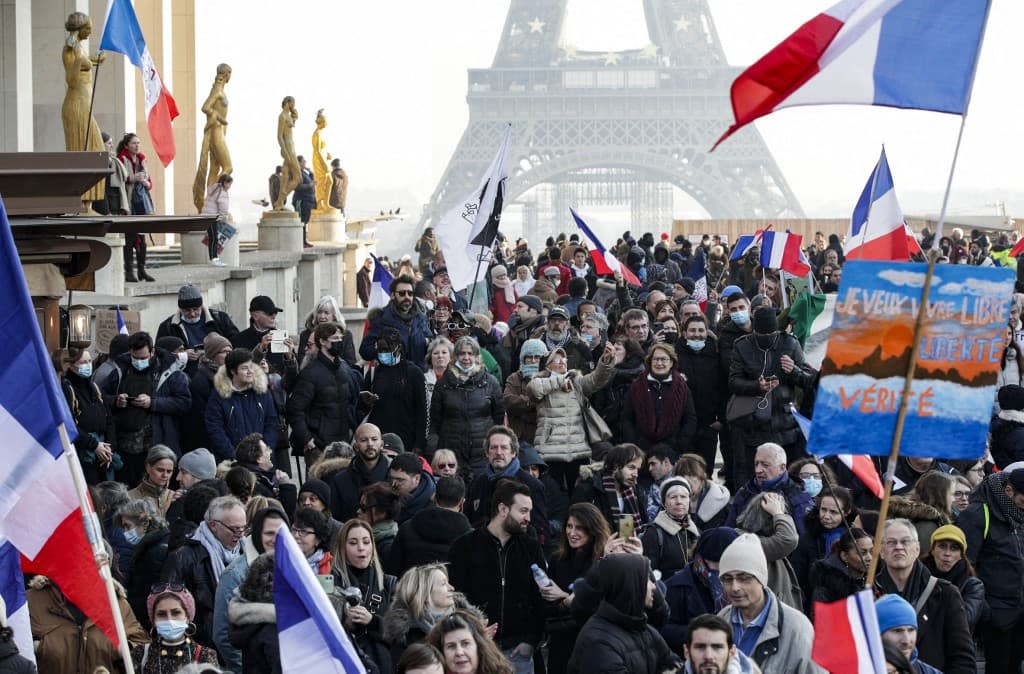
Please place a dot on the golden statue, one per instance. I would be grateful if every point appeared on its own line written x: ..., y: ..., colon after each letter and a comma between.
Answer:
x: 291, y: 174
x: 81, y: 133
x: 214, y: 157
x: 321, y: 169
x: 339, y: 186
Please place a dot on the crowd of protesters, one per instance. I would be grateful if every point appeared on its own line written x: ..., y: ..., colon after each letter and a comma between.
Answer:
x: 589, y: 476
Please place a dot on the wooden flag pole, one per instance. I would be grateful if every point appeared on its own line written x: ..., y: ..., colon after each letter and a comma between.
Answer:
x: 99, y: 552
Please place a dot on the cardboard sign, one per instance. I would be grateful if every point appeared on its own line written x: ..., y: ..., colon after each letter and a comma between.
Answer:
x: 105, y: 326
x: 862, y: 376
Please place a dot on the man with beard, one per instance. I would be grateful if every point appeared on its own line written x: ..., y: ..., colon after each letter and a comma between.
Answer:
x: 404, y: 315
x: 556, y: 334
x: 710, y: 648
x: 614, y: 490
x: 526, y: 319
x: 491, y: 566
x: 368, y: 466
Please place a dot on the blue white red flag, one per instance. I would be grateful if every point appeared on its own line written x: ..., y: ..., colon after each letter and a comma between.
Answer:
x: 698, y: 273
x: 781, y: 250
x: 859, y: 464
x: 15, y: 605
x: 122, y: 34
x: 122, y: 327
x: 846, y: 636
x: 877, y: 229
x: 380, y: 287
x: 40, y: 513
x: 746, y: 242
x: 311, y: 638
x: 605, y: 262
x: 917, y: 54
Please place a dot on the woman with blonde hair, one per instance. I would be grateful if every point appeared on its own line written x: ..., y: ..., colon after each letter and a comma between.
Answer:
x: 445, y: 464
x: 326, y: 310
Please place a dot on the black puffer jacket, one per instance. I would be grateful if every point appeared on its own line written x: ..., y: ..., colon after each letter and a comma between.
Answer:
x: 706, y: 381
x: 213, y: 321
x: 610, y: 400
x: 425, y: 538
x: 253, y: 630
x: 830, y: 580
x: 11, y: 662
x: 402, y: 404
x: 148, y: 559
x: 190, y: 564
x: 322, y: 404
x: 460, y: 414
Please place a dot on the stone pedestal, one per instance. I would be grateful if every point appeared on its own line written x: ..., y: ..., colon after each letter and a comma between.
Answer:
x: 355, y: 253
x: 110, y: 279
x: 280, y: 230
x: 194, y: 251
x: 328, y: 227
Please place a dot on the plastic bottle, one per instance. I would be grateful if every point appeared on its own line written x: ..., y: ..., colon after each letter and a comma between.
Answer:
x: 539, y: 576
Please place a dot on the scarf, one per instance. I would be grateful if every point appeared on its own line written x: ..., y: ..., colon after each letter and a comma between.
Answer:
x: 220, y: 557
x: 384, y: 530
x: 510, y: 470
x: 711, y: 581
x: 957, y: 575
x: 770, y: 485
x: 658, y: 427
x: 830, y: 536
x: 997, y: 488
x: 505, y: 284
x: 551, y: 344
x: 314, y: 560
x: 629, y: 500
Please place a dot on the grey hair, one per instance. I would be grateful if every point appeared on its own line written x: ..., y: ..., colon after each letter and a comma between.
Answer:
x: 777, y: 450
x: 339, y: 449
x: 330, y: 302
x: 138, y: 510
x: 159, y: 453
x: 471, y: 342
x: 221, y: 505
x: 902, y: 521
x: 755, y: 520
x: 600, y: 319
x: 438, y: 342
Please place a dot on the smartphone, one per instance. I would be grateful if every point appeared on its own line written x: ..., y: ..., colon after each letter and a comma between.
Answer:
x: 326, y: 582
x: 626, y: 527
x: 657, y: 327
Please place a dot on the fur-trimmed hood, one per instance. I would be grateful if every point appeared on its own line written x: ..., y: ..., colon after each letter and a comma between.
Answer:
x: 325, y: 469
x: 242, y: 612
x: 915, y: 511
x: 222, y: 383
x: 1013, y: 416
x: 397, y: 622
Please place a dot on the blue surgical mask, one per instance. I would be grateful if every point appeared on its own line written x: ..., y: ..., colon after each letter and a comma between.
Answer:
x: 696, y: 344
x: 741, y: 317
x: 589, y: 339
x: 529, y: 369
x: 464, y: 368
x: 812, y: 485
x: 140, y: 364
x: 85, y: 370
x: 132, y: 537
x: 191, y: 321
x: 388, y: 358
x: 171, y: 630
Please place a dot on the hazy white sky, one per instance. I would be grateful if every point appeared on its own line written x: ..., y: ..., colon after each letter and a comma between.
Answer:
x: 391, y: 75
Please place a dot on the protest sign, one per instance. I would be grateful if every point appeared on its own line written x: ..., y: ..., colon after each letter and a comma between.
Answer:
x: 105, y: 325
x: 862, y: 376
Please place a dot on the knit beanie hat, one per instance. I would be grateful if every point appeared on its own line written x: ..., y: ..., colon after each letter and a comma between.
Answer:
x: 214, y: 343
x: 182, y: 595
x: 532, y: 347
x: 499, y: 270
x: 950, y: 532
x: 189, y: 296
x: 533, y: 302
x: 745, y: 555
x: 318, y: 488
x: 1011, y: 397
x: 713, y: 542
x: 894, y: 611
x: 169, y: 343
x: 200, y: 463
x: 765, y: 321
x: 674, y: 482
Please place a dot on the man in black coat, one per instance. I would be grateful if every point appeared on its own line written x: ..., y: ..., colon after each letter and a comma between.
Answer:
x: 412, y: 483
x: 193, y: 322
x: 369, y: 466
x: 428, y: 535
x: 491, y: 566
x: 698, y: 363
x: 397, y: 391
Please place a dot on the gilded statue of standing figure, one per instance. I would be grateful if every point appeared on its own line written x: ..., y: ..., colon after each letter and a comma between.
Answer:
x: 291, y: 174
x: 321, y: 165
x: 81, y: 133
x: 214, y: 157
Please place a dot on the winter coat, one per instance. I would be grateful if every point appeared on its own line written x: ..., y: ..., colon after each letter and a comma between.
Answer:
x: 777, y: 546
x: 287, y: 493
x: 561, y: 435
x: 415, y: 333
x: 253, y: 629
x: 578, y: 356
x: 712, y: 506
x: 520, y: 408
x: 681, y: 439
x: 146, y: 566
x: 348, y: 348
x: 613, y: 642
x: 829, y: 580
x: 1007, y: 429
x: 346, y: 485
x: 706, y: 380
x: 519, y: 333
x: 376, y: 599
x: 590, y: 489
x: 478, y: 503
x: 668, y: 545
x: 92, y: 419
x: 498, y: 580
x: 610, y: 401
x: 193, y: 430
x: 159, y: 497
x: 211, y: 320
x: 400, y: 630
x: 170, y: 395
x: 687, y: 597
x: 461, y: 412
x: 926, y: 519
x: 65, y: 647
x: 190, y: 565
x: 972, y: 590
x: 425, y: 538
x: 420, y: 499
x: 798, y: 501
x: 323, y: 403
x: 402, y: 404
x: 12, y: 662
x: 784, y: 645
x: 232, y: 414
x: 809, y: 550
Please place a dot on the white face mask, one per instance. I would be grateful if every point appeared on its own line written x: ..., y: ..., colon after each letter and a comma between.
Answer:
x: 183, y: 358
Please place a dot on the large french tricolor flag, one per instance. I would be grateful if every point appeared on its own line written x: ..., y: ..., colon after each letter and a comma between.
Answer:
x: 746, y: 242
x: 859, y: 464
x: 311, y: 638
x: 917, y: 54
x: 122, y: 34
x: 846, y: 636
x: 604, y: 261
x: 877, y: 229
x: 40, y: 512
x: 15, y: 605
x: 380, y: 286
x: 781, y: 250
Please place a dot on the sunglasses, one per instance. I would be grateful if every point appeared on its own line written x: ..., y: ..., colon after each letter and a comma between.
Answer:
x: 442, y: 466
x: 166, y: 587
x: 404, y: 293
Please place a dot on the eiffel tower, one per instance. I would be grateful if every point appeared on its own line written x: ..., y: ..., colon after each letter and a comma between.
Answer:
x: 604, y: 128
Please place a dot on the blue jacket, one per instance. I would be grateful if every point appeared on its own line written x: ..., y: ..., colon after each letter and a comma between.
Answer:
x: 231, y: 415
x: 415, y: 334
x: 171, y: 399
x: 687, y: 598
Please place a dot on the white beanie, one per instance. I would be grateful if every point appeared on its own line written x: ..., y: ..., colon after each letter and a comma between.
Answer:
x: 745, y: 555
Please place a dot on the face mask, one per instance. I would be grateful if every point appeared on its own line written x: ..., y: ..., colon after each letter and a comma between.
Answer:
x: 812, y: 485
x: 183, y: 358
x: 464, y: 368
x: 529, y: 369
x: 388, y: 358
x: 589, y: 339
x: 670, y: 336
x: 171, y: 630
x: 765, y: 341
x: 132, y: 536
x: 336, y: 348
x: 741, y: 317
x: 191, y: 321
x: 85, y: 370
x: 428, y: 305
x: 696, y: 344
x: 140, y: 364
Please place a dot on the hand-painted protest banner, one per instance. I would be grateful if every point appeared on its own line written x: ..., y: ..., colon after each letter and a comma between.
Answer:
x: 862, y: 376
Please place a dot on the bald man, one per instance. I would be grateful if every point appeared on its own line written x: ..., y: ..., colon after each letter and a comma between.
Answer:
x: 369, y: 466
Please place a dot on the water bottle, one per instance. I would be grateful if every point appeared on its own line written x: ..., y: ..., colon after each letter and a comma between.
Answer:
x: 539, y: 576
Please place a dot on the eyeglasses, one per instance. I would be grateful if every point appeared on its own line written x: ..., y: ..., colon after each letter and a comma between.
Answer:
x: 302, y: 532
x: 898, y: 542
x: 804, y: 476
x: 456, y: 326
x: 238, y: 531
x: 166, y: 587
x: 961, y: 494
x: 443, y: 466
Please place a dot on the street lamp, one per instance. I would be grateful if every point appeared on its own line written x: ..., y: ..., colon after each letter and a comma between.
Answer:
x: 79, y: 326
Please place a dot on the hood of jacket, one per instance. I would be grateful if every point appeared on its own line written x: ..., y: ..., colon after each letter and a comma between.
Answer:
x: 397, y: 622
x: 242, y: 612
x: 438, y: 525
x: 915, y: 511
x: 712, y: 500
x: 325, y: 469
x: 222, y: 383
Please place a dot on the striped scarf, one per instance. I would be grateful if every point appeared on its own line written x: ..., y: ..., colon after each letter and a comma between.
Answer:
x: 629, y: 500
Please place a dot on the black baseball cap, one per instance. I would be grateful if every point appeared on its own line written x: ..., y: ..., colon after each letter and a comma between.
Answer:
x: 264, y: 304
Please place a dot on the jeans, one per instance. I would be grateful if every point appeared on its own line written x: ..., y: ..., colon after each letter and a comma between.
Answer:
x: 520, y: 664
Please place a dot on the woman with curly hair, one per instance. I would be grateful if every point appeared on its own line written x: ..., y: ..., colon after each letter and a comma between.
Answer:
x: 462, y: 640
x: 252, y: 620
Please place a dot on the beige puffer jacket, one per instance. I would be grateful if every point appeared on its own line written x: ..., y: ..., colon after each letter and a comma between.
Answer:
x: 560, y: 433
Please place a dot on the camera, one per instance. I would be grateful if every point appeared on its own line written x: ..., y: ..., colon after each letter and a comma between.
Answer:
x: 352, y: 595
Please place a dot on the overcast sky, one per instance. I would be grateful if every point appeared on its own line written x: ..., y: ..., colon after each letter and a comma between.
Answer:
x: 391, y: 75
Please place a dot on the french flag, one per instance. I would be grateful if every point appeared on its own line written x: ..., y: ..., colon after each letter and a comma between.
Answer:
x: 310, y: 636
x: 380, y: 286
x: 781, y: 250
x: 40, y: 510
x: 859, y: 464
x: 604, y: 261
x: 698, y: 273
x: 746, y: 242
x: 917, y: 54
x: 15, y: 604
x: 122, y: 327
x: 877, y: 229
x: 122, y: 34
x: 846, y: 636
